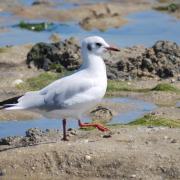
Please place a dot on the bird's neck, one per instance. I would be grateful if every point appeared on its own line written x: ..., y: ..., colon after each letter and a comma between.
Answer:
x: 93, y: 63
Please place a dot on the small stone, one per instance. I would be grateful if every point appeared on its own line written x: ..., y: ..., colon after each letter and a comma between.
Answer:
x: 100, y: 113
x: 178, y: 78
x: 14, y: 166
x: 2, y: 172
x: 86, y: 140
x: 55, y: 37
x: 166, y: 137
x: 107, y: 136
x: 173, y: 141
x: 72, y: 131
x: 133, y: 176
x: 173, y: 80
x: 150, y: 126
x: 17, y: 82
x: 87, y: 157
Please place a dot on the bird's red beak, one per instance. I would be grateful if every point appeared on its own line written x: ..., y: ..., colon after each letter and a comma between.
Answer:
x: 111, y: 48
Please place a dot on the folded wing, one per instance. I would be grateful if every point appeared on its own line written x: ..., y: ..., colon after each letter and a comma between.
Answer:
x: 61, y: 93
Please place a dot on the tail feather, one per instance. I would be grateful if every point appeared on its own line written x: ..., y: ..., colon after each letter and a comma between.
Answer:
x: 9, y: 102
x: 28, y: 101
x: 12, y: 100
x: 14, y: 108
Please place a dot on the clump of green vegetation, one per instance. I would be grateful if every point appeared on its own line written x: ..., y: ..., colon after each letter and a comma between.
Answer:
x: 171, y: 7
x: 115, y: 86
x: 36, y: 83
x: 3, y: 49
x: 152, y: 120
x: 87, y: 128
x: 165, y: 87
x: 35, y: 26
x: 57, y: 67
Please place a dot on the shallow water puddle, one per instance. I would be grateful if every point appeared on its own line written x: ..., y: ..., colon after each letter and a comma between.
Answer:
x: 143, y: 28
x: 12, y: 128
x: 141, y: 108
x: 178, y: 104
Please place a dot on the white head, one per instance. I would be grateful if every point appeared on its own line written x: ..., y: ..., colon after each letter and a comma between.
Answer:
x: 96, y: 45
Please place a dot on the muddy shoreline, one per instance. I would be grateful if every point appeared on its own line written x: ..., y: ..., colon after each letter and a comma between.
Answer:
x: 130, y: 153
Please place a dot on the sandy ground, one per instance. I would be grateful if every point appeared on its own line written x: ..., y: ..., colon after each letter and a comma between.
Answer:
x: 12, y: 68
x: 130, y: 153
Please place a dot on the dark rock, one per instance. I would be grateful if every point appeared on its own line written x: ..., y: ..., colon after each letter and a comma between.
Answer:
x: 173, y: 141
x: 34, y: 133
x: 33, y: 136
x: 35, y: 3
x: 101, y: 113
x: 45, y: 55
x: 162, y: 60
x: 2, y: 172
x: 165, y: 72
x: 147, y: 64
x: 166, y: 47
x: 9, y: 140
x: 107, y: 136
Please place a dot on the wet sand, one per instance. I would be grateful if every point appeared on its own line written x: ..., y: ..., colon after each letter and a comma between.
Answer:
x: 129, y: 153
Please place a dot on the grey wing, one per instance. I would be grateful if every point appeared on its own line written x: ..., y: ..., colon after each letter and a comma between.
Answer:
x: 62, y: 92
x: 29, y: 101
x: 69, y: 91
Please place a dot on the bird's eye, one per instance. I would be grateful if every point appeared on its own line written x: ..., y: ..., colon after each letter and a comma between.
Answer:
x: 98, y: 44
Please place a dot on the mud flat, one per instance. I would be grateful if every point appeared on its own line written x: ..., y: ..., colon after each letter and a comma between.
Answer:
x: 137, y: 153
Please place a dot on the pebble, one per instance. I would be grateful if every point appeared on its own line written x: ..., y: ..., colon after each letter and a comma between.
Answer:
x: 2, y: 172
x: 173, y: 80
x: 72, y: 131
x: 17, y: 82
x: 173, y: 141
x: 150, y: 126
x: 55, y: 37
x: 87, y: 157
x: 107, y: 136
x: 133, y: 176
x: 178, y: 78
x: 86, y: 141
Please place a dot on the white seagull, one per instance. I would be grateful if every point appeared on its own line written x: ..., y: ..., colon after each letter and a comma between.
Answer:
x: 73, y: 95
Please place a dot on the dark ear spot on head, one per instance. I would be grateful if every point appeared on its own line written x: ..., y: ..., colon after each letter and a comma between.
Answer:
x: 89, y: 47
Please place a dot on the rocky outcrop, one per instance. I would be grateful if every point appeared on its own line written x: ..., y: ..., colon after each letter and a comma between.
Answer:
x: 161, y: 60
x: 103, y: 20
x: 63, y: 54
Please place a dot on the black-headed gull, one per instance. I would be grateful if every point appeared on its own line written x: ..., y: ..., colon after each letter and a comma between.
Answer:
x: 73, y: 95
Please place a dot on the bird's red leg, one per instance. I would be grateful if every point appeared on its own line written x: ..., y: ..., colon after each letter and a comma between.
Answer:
x: 98, y: 126
x: 64, y: 130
